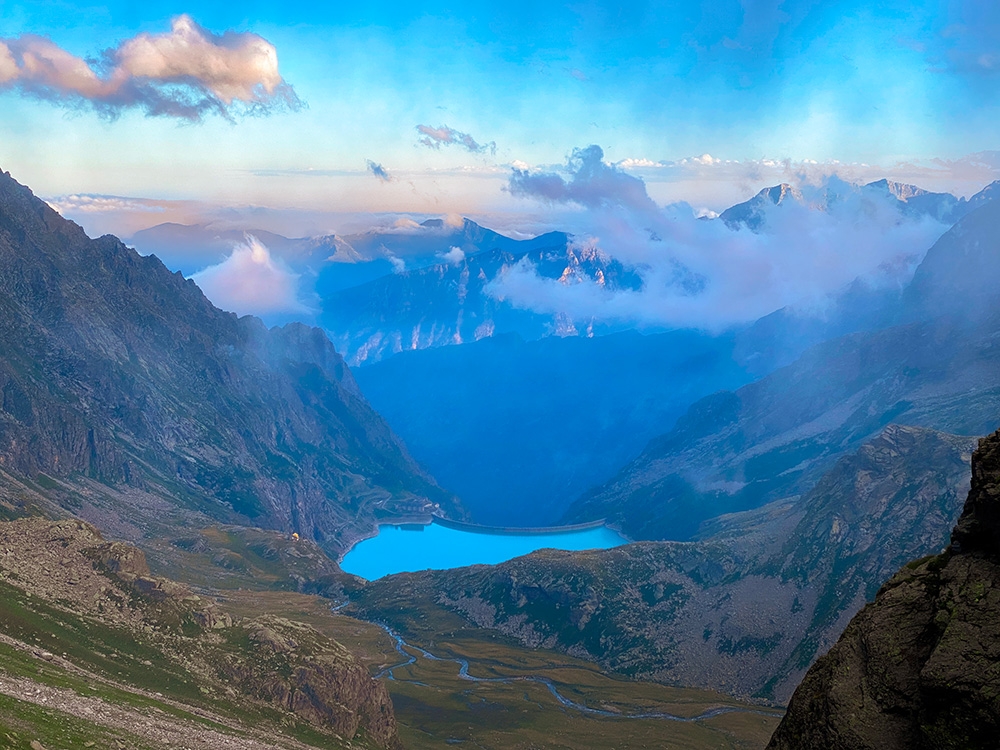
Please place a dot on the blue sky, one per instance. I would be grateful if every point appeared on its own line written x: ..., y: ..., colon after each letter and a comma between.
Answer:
x: 876, y: 87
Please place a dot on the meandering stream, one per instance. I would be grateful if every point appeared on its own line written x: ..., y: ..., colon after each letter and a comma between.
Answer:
x: 463, y: 673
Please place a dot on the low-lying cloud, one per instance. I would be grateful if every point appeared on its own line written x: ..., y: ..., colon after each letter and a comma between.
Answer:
x: 185, y: 73
x: 90, y: 204
x: 699, y: 273
x: 444, y: 136
x: 251, y: 282
x: 454, y: 256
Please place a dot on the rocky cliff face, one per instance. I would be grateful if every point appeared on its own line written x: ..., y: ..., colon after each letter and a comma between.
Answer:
x: 115, y: 371
x: 456, y: 301
x: 746, y: 609
x: 919, y: 668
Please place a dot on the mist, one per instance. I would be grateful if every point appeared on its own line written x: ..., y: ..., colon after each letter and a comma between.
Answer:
x: 700, y: 273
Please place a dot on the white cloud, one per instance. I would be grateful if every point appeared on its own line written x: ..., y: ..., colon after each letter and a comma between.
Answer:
x: 251, y: 282
x: 455, y: 255
x: 186, y: 73
x: 636, y: 164
x: 701, y: 274
x: 70, y: 204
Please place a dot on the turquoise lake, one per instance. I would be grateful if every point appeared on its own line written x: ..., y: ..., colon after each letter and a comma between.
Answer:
x: 399, y: 549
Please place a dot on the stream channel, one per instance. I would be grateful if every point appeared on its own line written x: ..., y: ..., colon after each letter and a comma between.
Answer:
x: 463, y: 673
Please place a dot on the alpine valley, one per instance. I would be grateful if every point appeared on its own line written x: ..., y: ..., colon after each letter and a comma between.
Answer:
x: 178, y: 484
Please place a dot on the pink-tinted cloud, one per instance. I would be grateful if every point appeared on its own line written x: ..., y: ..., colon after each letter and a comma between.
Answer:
x: 187, y: 73
x: 445, y: 136
x: 251, y: 282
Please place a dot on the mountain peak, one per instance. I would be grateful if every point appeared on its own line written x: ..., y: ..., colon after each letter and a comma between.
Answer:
x: 978, y: 529
x: 899, y: 190
x: 779, y: 193
x: 751, y: 213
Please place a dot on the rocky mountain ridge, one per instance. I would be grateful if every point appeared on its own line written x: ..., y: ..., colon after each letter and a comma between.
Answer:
x: 115, y: 372
x: 909, y: 200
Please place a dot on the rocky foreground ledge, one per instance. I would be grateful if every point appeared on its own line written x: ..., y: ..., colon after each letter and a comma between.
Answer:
x: 85, y: 628
x: 918, y: 668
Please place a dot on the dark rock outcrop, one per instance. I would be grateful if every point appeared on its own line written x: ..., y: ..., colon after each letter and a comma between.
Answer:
x: 919, y: 668
x: 292, y: 665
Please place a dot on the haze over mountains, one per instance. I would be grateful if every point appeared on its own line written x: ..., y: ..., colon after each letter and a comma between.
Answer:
x: 441, y: 287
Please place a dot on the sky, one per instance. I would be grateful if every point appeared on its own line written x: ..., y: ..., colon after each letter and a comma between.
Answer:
x: 425, y: 107
x: 310, y: 118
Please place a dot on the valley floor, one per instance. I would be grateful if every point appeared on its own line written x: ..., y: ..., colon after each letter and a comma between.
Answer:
x: 434, y: 706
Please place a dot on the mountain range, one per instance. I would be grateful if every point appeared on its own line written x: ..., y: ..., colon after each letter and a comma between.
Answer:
x: 936, y: 367
x: 766, y: 513
x: 909, y: 200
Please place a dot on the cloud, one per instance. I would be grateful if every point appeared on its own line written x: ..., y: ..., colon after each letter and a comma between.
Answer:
x: 8, y: 66
x: 454, y: 256
x: 89, y: 204
x: 592, y: 183
x: 445, y: 136
x: 186, y: 73
x: 718, y: 182
x: 378, y: 170
x: 251, y: 282
x: 700, y: 274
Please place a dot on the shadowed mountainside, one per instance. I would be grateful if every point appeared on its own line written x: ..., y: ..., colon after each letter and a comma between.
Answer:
x: 116, y: 373
x: 519, y: 429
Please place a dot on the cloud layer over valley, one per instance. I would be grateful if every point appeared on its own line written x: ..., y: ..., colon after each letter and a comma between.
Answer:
x: 251, y: 282
x: 702, y: 273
